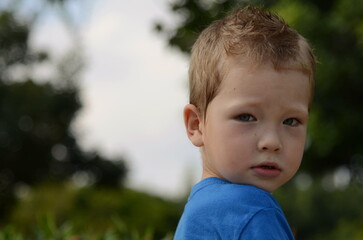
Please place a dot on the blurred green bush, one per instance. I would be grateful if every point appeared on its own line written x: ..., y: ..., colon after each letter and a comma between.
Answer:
x: 323, y: 211
x: 46, y: 229
x: 93, y: 211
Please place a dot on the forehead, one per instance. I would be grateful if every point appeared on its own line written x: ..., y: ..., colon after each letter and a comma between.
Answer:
x: 242, y: 79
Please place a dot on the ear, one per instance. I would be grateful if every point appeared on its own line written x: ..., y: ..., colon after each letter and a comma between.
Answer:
x: 193, y: 124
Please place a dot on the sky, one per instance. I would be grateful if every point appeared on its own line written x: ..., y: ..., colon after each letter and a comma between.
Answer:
x: 133, y: 90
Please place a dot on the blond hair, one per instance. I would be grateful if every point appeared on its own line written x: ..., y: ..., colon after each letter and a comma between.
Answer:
x: 253, y: 33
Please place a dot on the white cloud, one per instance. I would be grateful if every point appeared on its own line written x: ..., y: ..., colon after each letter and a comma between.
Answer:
x: 134, y: 92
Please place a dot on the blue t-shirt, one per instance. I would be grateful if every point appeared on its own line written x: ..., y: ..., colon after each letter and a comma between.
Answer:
x: 218, y: 209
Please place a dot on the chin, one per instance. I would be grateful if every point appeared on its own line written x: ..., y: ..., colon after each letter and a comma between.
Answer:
x: 267, y: 187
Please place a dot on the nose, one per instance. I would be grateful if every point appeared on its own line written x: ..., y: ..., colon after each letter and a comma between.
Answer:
x: 269, y: 141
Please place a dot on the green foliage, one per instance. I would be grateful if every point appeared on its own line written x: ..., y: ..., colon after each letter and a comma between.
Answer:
x: 315, y: 212
x: 195, y: 16
x: 93, y: 210
x: 47, y: 229
x: 344, y: 230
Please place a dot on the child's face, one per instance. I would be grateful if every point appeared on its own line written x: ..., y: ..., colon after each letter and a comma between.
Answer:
x: 255, y: 128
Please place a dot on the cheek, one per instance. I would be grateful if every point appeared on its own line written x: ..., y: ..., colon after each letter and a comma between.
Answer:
x: 229, y: 144
x: 224, y: 145
x: 294, y: 146
x: 296, y: 140
x: 295, y: 153
x: 238, y: 139
x: 235, y: 149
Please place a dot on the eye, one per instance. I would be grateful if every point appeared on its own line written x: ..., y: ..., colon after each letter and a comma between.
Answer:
x: 293, y: 122
x: 246, y: 118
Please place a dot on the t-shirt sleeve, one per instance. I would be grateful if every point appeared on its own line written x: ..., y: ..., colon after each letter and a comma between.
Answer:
x: 267, y: 224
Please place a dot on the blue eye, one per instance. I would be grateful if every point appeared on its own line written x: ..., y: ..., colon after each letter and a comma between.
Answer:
x: 291, y: 122
x: 246, y: 118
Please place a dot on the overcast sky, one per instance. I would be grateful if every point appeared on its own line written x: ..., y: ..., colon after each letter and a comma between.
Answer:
x: 133, y: 91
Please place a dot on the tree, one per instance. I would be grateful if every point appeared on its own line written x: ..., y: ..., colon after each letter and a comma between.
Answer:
x: 36, y: 141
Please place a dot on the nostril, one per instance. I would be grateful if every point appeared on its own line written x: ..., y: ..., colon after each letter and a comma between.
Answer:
x: 273, y: 149
x: 269, y: 144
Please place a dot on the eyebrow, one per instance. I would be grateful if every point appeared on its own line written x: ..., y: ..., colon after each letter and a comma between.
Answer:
x: 253, y: 102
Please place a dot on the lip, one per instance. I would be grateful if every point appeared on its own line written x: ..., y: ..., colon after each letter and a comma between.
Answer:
x: 267, y: 169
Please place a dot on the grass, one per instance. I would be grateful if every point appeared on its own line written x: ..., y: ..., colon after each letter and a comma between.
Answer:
x: 46, y: 229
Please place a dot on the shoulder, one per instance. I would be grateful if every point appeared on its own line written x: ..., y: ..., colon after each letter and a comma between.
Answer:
x: 224, y: 209
x: 267, y: 224
x: 220, y: 193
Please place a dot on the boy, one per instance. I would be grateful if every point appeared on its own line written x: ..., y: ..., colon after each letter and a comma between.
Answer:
x: 251, y: 83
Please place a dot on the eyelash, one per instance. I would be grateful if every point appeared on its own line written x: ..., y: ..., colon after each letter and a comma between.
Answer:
x: 249, y: 118
x: 295, y: 123
x: 242, y: 117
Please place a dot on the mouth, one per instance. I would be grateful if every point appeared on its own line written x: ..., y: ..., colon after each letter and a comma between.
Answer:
x: 267, y: 169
